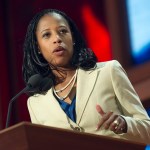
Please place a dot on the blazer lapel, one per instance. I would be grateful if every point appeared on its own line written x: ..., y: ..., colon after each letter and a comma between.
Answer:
x: 85, y: 84
x: 53, y: 106
x: 56, y: 109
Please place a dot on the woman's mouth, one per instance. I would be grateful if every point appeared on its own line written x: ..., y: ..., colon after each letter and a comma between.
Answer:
x: 59, y: 51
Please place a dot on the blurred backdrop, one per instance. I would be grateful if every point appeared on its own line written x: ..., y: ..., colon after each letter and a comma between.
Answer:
x: 113, y: 29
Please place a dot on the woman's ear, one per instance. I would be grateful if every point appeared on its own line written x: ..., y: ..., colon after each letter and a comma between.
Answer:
x: 39, y: 50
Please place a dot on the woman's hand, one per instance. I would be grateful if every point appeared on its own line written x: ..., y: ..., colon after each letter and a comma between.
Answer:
x: 111, y: 121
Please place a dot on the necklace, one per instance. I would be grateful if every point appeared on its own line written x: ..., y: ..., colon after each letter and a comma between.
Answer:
x: 63, y: 98
x: 60, y: 90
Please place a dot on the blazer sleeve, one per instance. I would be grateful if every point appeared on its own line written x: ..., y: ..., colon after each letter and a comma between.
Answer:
x: 136, y: 117
x: 32, y: 115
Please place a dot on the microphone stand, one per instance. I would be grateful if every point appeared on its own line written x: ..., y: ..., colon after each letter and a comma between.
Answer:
x: 35, y: 81
x: 10, y: 105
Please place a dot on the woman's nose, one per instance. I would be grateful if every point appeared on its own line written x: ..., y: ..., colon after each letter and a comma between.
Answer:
x: 57, y: 39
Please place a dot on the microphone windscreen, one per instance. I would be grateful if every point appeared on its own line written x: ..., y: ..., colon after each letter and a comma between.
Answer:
x: 45, y: 84
x: 34, y: 81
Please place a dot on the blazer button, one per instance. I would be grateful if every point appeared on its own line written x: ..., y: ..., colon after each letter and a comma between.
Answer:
x: 77, y: 129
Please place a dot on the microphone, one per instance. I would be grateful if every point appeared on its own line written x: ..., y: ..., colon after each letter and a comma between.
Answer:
x: 45, y: 84
x: 33, y: 83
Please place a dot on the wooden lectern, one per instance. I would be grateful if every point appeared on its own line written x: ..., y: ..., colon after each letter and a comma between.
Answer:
x: 27, y: 136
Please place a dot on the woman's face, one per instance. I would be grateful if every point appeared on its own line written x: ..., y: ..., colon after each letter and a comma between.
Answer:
x: 54, y: 40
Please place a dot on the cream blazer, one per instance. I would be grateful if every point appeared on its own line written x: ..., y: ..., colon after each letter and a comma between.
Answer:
x: 106, y: 85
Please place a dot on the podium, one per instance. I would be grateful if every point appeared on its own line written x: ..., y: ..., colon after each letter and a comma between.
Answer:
x: 27, y: 136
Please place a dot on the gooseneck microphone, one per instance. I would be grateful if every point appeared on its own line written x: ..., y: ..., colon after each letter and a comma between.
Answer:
x: 34, y: 82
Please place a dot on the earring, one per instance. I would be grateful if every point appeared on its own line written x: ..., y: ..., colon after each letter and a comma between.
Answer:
x: 74, y: 44
x: 39, y: 52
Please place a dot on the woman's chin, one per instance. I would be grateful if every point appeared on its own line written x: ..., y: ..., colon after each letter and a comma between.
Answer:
x: 61, y: 63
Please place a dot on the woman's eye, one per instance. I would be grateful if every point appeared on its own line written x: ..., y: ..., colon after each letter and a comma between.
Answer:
x: 63, y: 31
x: 46, y: 35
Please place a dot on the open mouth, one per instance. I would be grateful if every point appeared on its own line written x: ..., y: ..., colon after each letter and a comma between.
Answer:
x: 59, y: 50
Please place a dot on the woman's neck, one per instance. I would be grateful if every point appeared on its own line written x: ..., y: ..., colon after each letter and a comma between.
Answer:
x: 63, y: 75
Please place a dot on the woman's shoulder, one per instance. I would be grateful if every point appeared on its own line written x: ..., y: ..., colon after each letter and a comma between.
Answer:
x: 33, y: 99
x: 37, y: 97
x: 108, y: 64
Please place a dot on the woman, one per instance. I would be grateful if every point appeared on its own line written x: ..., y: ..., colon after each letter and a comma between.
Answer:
x: 86, y: 96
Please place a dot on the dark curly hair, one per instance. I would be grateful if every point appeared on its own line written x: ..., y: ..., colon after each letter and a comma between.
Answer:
x: 33, y: 63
